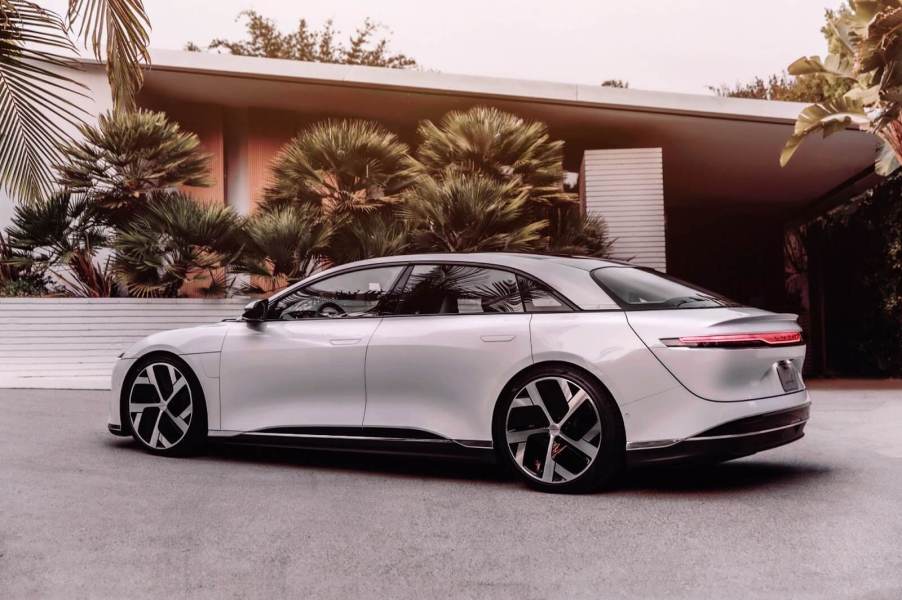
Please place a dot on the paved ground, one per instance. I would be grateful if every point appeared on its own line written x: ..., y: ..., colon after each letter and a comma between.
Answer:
x: 83, y: 514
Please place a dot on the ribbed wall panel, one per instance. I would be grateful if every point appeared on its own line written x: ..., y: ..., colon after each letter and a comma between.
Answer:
x: 75, y: 337
x: 626, y: 187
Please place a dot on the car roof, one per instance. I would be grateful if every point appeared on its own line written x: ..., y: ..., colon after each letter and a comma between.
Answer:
x: 568, y: 275
x: 517, y: 260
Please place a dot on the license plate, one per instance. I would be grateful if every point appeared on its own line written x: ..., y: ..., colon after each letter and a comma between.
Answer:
x: 789, y: 376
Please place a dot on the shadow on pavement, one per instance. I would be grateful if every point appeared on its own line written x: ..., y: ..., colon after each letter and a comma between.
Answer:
x: 389, y: 464
x: 735, y: 476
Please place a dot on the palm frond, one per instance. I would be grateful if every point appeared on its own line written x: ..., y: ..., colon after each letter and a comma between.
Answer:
x: 340, y: 166
x: 118, y: 34
x: 572, y: 232
x: 498, y: 145
x: 129, y: 156
x: 471, y: 213
x: 368, y: 235
x: 176, y: 241
x: 285, y: 244
x: 60, y: 235
x: 36, y: 98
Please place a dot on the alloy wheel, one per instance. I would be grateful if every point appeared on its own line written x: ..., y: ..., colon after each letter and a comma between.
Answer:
x: 160, y: 405
x: 553, y: 430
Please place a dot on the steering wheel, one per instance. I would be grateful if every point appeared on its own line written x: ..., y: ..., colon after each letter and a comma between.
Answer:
x: 330, y: 309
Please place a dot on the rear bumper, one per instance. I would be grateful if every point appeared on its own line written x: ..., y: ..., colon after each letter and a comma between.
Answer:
x: 734, y: 439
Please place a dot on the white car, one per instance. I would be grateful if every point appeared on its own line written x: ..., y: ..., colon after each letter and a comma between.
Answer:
x: 565, y: 368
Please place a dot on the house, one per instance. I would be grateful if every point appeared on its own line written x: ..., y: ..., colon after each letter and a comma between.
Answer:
x: 689, y: 184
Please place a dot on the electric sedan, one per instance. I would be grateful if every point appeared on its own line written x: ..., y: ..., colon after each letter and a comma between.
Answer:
x: 566, y: 369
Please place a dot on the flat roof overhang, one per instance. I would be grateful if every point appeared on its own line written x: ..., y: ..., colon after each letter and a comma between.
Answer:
x: 716, y: 150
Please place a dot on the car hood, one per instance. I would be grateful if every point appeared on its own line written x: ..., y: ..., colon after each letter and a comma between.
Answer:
x: 189, y: 340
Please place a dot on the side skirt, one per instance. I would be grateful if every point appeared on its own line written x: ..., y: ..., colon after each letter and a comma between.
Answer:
x: 379, y: 440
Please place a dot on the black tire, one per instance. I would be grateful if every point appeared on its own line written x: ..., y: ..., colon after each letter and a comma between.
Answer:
x: 599, y: 472
x: 181, y: 427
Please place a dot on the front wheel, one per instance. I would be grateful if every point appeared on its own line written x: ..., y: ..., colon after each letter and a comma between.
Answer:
x: 164, y: 405
x: 559, y: 431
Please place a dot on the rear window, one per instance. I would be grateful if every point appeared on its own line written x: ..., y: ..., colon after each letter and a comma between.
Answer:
x: 636, y: 288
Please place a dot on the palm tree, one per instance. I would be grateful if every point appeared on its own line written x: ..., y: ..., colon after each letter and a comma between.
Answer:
x: 128, y: 157
x: 285, y: 244
x: 497, y: 145
x: 37, y: 96
x: 345, y: 179
x: 60, y: 235
x: 570, y: 231
x: 467, y: 212
x: 340, y: 166
x: 178, y: 241
x: 369, y: 235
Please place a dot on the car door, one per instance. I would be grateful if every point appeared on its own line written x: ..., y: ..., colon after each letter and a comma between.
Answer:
x: 304, y: 364
x: 437, y: 365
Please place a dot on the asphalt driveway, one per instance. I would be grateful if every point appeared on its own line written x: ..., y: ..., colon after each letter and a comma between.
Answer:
x: 84, y: 514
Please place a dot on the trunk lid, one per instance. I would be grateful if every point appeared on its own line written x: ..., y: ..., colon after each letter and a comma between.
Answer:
x: 738, y: 372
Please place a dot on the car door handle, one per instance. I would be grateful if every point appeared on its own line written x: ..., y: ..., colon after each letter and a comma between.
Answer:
x: 344, y: 341
x: 496, y: 338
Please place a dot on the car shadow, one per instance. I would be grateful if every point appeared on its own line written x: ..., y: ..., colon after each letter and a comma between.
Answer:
x: 401, y: 465
x: 735, y: 476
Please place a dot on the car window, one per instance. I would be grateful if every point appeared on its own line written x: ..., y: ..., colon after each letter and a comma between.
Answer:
x: 354, y: 294
x: 537, y: 297
x: 636, y: 288
x: 459, y: 289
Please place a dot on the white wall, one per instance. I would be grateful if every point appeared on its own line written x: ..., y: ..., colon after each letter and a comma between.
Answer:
x: 98, y: 101
x: 73, y: 342
x: 626, y: 187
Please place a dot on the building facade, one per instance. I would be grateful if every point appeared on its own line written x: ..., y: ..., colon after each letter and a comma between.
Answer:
x: 688, y: 184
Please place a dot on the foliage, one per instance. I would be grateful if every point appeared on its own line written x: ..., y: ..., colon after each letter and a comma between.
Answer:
x: 37, y: 98
x: 340, y: 166
x: 285, y: 244
x: 60, y: 236
x: 118, y: 34
x: 616, y: 83
x: 371, y: 235
x: 128, y: 157
x: 470, y: 212
x: 480, y: 180
x: 178, y: 241
x: 863, y: 241
x: 309, y: 44
x: 17, y: 279
x: 22, y: 287
x: 864, y: 41
x: 497, y: 145
x: 782, y: 86
x: 572, y: 232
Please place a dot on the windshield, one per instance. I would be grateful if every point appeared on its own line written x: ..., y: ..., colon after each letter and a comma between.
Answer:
x: 637, y: 288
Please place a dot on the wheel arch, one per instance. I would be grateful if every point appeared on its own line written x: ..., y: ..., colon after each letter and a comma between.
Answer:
x: 496, y: 412
x: 139, y: 362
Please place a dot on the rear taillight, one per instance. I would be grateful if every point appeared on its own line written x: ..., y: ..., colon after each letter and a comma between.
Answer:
x: 736, y: 340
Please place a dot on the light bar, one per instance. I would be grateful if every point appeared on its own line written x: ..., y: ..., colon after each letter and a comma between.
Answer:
x: 736, y: 340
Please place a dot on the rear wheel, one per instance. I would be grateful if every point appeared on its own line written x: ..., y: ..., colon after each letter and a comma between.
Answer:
x: 559, y: 431
x: 165, y: 407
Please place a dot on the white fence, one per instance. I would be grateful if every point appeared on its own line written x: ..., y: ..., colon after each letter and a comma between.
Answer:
x: 73, y: 342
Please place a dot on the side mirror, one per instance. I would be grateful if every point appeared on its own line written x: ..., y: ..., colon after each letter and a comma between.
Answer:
x: 255, y: 310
